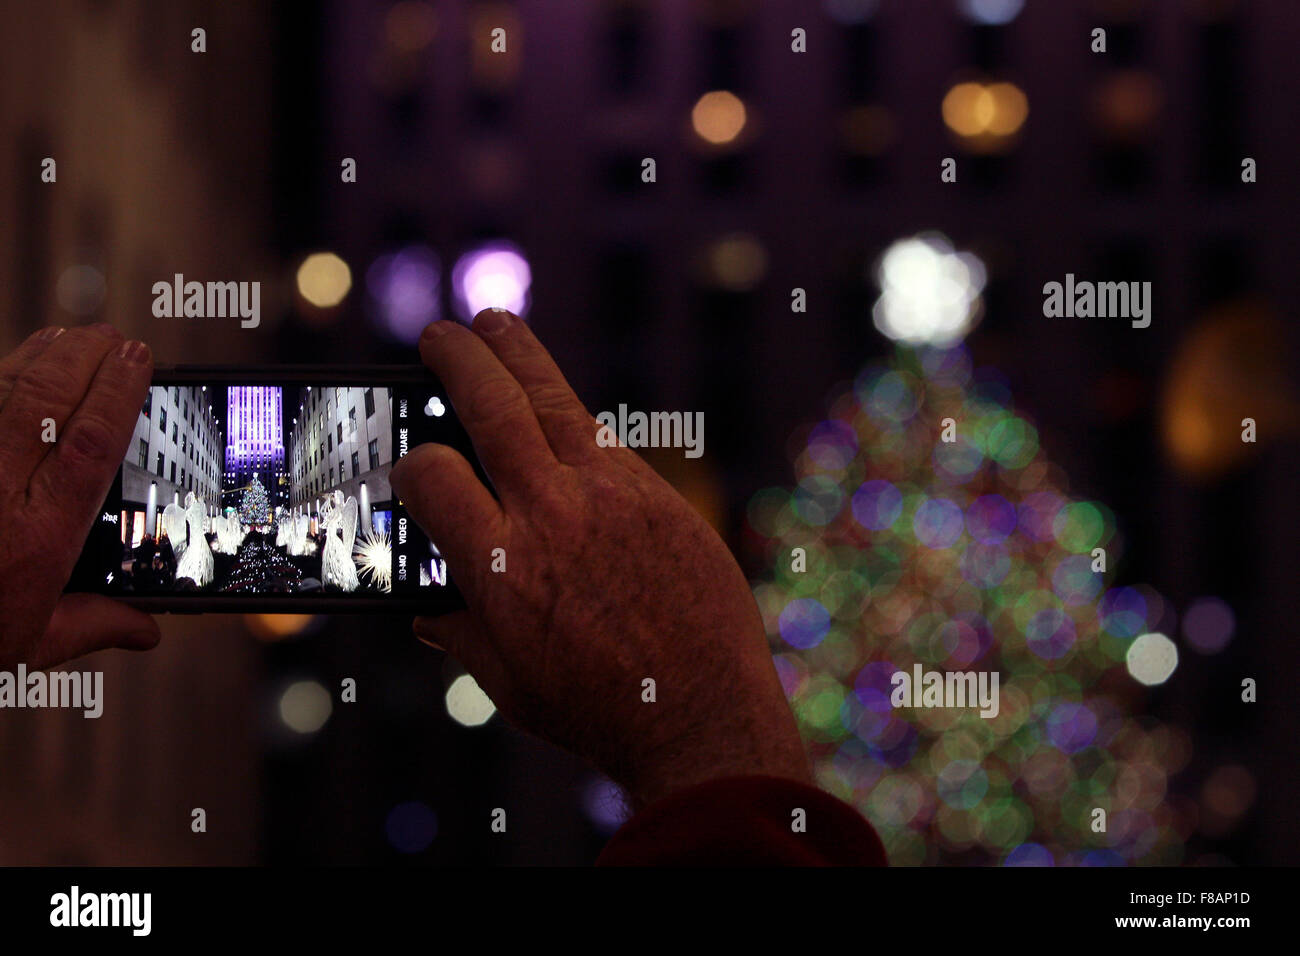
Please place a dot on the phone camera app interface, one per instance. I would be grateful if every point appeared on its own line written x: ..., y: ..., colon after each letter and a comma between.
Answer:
x: 265, y: 490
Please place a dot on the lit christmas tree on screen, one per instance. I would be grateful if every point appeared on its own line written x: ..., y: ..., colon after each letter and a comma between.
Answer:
x: 254, y: 509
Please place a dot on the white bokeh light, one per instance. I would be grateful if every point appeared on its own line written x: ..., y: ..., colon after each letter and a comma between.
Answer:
x: 467, y: 704
x: 305, y: 706
x: 81, y: 289
x: 1152, y: 659
x: 929, y: 293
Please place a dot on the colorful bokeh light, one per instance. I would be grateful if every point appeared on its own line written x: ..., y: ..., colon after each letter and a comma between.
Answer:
x: 968, y: 555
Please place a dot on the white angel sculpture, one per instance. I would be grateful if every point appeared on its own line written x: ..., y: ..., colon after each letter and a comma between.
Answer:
x: 230, y: 535
x: 340, y: 519
x: 296, y: 535
x: 185, y: 532
x: 174, y: 524
x: 282, y: 531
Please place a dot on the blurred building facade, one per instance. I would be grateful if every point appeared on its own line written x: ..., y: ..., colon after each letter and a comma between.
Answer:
x: 160, y: 170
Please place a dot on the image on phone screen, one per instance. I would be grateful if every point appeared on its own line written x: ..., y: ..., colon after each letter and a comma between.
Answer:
x: 255, y: 493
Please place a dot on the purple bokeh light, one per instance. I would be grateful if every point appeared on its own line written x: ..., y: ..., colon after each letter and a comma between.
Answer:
x: 495, y: 275
x: 1208, y: 625
x: 804, y: 623
x: 405, y: 288
x: 605, y: 804
x: 411, y: 827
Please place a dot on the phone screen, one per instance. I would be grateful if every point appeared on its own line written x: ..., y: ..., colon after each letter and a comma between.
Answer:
x: 261, y: 493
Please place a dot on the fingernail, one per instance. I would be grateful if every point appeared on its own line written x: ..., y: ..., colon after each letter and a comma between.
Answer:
x: 422, y: 632
x: 137, y: 353
x: 434, y: 329
x: 492, y: 320
x: 432, y: 643
x: 103, y: 328
x: 50, y: 334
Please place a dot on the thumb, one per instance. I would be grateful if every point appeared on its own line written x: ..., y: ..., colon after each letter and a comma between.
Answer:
x: 449, y: 503
x: 84, y: 623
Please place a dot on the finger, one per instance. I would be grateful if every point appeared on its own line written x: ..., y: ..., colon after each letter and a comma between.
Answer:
x: 491, y: 405
x: 19, y: 358
x: 450, y: 631
x: 84, y: 623
x: 446, y: 499
x: 569, y: 428
x: 73, y: 480
x: 49, y: 389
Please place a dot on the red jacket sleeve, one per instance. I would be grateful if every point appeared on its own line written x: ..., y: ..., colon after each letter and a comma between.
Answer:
x: 745, y: 821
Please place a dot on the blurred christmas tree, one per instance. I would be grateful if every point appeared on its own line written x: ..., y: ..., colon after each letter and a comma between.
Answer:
x: 254, y: 508
x: 966, y: 554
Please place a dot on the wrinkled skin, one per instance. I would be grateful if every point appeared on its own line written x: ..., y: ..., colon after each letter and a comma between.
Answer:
x: 611, y: 578
x: 92, y: 384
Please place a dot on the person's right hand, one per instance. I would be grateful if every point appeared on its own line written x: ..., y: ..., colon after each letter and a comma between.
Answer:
x: 89, y: 384
x: 611, y: 579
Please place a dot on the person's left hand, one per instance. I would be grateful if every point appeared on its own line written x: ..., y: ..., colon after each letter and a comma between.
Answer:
x: 91, y: 384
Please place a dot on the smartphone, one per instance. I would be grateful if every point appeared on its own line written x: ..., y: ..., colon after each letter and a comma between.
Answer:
x: 266, y: 490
